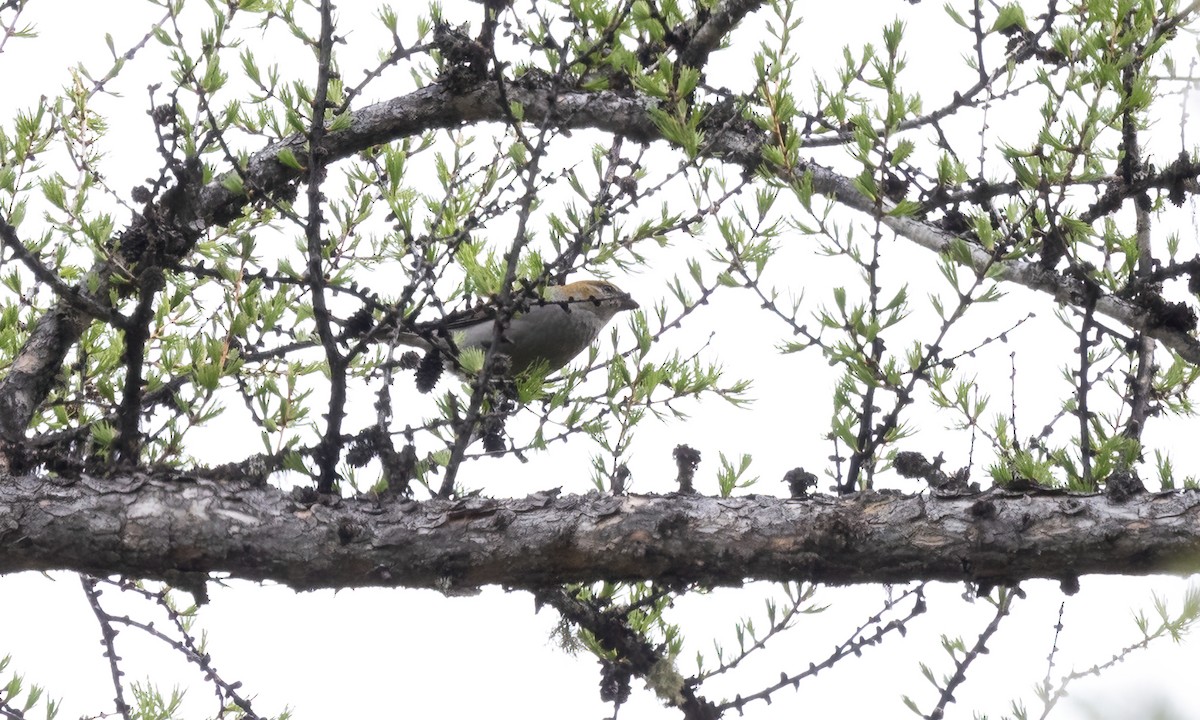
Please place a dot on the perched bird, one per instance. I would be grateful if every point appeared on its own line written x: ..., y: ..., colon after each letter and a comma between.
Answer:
x: 552, y: 329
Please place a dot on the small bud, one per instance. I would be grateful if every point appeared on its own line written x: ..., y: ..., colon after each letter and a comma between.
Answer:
x: 800, y: 482
x: 687, y: 459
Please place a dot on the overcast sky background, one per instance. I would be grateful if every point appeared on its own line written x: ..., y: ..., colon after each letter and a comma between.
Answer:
x: 392, y: 653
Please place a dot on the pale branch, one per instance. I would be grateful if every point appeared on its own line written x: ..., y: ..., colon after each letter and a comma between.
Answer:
x: 184, y: 213
x: 1065, y: 290
x: 182, y: 527
x: 705, y: 33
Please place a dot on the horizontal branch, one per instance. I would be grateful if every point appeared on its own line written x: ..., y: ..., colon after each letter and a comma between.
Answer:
x: 158, y: 526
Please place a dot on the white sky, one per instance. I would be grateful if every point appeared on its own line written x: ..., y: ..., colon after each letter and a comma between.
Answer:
x: 393, y: 653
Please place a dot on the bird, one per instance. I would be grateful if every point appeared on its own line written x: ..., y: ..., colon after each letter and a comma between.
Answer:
x: 547, y: 332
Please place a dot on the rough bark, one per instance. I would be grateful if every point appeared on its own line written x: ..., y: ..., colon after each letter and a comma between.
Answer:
x: 171, y: 527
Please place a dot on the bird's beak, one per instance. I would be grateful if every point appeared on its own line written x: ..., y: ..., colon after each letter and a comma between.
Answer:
x: 628, y: 303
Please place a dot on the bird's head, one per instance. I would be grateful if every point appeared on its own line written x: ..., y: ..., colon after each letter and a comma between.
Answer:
x: 599, y: 292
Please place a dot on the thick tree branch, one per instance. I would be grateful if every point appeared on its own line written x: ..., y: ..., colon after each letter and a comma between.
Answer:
x: 161, y: 526
x: 706, y: 32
